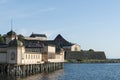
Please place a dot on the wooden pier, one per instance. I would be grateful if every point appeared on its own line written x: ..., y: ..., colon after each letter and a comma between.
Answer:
x: 27, y: 70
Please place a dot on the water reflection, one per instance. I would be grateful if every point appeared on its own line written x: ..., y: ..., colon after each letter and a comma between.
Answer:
x: 6, y: 77
x: 57, y: 75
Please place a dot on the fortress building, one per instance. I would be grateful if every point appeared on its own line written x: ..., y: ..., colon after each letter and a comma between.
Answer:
x: 35, y: 49
x: 74, y: 52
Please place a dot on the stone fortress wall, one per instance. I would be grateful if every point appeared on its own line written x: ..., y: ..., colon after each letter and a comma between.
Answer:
x: 85, y: 55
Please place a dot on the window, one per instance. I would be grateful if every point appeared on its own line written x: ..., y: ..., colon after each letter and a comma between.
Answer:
x: 76, y: 49
x: 22, y: 55
x: 29, y: 57
x: 38, y: 56
x: 26, y: 56
x: 51, y: 55
x: 34, y: 56
x: 13, y: 56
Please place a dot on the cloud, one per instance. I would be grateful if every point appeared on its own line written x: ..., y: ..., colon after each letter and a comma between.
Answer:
x: 22, y: 11
x: 29, y: 12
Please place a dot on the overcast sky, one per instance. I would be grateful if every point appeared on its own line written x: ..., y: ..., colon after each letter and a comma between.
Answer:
x: 94, y: 24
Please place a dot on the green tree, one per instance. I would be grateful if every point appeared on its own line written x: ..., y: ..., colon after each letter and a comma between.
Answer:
x: 91, y: 50
x: 21, y: 37
x: 1, y: 39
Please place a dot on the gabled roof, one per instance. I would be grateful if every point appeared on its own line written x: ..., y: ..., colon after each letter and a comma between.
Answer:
x: 61, y: 41
x: 37, y: 35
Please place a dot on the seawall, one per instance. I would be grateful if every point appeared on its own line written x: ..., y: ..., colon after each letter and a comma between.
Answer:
x: 82, y: 55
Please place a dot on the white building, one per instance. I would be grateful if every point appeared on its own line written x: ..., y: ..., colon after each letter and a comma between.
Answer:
x: 73, y: 47
x: 34, y: 50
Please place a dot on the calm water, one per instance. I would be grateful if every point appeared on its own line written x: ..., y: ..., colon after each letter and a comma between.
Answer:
x: 82, y: 72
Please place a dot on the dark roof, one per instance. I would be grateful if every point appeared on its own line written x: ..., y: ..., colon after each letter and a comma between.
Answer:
x: 32, y: 43
x: 41, y: 44
x: 59, y: 40
x: 37, y: 43
x: 49, y: 42
x: 10, y: 33
x: 15, y: 43
x: 3, y: 45
x: 38, y: 35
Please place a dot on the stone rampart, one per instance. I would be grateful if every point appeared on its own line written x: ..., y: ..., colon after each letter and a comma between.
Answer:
x: 81, y: 55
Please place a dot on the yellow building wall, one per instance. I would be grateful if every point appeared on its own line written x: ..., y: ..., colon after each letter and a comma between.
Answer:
x: 58, y: 57
x: 32, y: 58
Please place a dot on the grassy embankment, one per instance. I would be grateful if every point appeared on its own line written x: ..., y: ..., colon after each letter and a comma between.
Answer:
x: 93, y: 61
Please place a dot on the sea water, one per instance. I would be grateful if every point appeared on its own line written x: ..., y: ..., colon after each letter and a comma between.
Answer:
x: 74, y: 71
